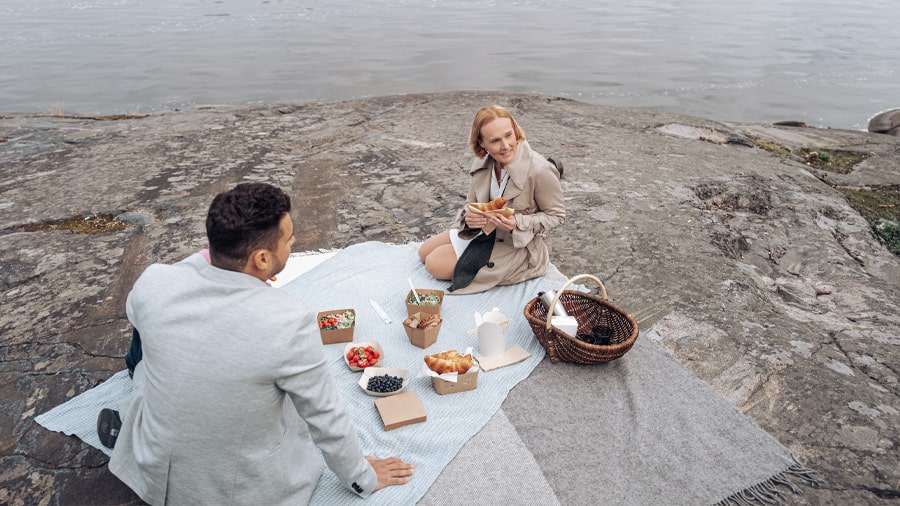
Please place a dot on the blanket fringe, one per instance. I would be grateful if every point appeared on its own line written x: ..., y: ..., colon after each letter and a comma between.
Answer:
x: 768, y: 491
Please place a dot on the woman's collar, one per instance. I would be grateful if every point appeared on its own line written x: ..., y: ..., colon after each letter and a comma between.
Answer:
x: 518, y: 168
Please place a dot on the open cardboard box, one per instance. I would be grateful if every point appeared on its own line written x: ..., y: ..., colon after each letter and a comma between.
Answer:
x: 337, y: 335
x: 412, y: 309
x: 511, y: 356
x: 423, y: 338
x: 467, y: 381
x: 399, y: 410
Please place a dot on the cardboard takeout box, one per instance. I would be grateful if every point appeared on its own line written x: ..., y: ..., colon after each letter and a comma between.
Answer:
x: 467, y: 381
x: 399, y: 410
x: 412, y: 309
x: 423, y: 338
x: 337, y: 335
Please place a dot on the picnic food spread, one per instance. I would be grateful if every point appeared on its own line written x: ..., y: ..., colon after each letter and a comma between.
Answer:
x: 449, y: 361
x: 450, y: 371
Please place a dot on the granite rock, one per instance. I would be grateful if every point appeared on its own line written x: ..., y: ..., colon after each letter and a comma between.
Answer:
x: 757, y: 273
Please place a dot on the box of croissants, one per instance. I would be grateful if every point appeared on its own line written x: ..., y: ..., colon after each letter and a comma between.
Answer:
x: 422, y: 329
x: 447, y: 363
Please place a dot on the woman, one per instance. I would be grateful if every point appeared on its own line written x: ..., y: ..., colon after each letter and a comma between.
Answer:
x: 517, y: 250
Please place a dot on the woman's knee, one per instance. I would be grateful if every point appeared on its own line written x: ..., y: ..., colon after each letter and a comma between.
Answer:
x: 424, y: 251
x: 441, y: 262
x: 439, y: 270
x: 432, y: 243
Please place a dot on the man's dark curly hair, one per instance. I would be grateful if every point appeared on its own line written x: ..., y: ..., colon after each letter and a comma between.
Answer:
x: 243, y: 219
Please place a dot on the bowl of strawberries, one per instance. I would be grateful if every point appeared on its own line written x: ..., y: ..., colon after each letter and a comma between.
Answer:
x: 358, y: 356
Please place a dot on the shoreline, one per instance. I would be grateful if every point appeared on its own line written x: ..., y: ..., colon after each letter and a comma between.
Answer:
x: 57, y: 111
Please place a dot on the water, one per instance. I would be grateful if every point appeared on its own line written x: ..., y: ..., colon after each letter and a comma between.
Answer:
x: 826, y: 62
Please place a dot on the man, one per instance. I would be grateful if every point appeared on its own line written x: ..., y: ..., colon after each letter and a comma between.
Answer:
x: 209, y: 420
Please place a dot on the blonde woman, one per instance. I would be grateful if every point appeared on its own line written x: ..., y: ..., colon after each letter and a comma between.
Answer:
x: 517, y: 249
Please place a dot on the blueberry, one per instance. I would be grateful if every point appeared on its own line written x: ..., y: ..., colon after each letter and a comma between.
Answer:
x: 384, y: 383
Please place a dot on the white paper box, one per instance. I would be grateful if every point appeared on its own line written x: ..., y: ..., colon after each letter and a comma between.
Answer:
x: 567, y: 324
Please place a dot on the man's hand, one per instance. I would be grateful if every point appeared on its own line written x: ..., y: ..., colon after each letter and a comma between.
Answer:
x: 391, y: 471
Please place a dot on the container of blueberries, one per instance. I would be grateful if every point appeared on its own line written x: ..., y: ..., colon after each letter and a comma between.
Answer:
x: 383, y: 381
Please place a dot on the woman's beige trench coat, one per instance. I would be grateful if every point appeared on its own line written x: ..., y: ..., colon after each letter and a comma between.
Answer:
x: 534, y: 192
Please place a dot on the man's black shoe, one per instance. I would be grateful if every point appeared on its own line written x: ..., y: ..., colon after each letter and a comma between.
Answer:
x: 108, y: 425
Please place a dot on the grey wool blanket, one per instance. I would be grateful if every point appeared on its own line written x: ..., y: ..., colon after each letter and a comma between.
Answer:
x: 644, y: 430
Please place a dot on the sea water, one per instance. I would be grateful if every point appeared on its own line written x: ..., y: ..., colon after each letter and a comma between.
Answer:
x: 825, y: 62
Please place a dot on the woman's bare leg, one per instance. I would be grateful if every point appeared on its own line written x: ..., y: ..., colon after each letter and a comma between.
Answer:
x: 438, y: 256
x: 433, y: 242
x: 441, y: 262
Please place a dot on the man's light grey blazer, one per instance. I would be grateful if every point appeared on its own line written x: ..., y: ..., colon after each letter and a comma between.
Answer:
x: 208, y: 421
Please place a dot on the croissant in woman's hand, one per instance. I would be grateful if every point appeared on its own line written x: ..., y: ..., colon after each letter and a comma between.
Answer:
x: 493, y: 205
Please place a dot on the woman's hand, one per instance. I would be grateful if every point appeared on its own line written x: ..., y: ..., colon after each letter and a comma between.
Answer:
x: 475, y: 220
x: 503, y: 222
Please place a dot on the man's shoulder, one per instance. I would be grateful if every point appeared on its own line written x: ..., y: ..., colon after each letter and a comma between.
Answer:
x: 178, y: 270
x: 276, y: 296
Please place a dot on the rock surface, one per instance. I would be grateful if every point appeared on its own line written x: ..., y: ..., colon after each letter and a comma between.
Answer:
x: 887, y: 122
x: 760, y: 277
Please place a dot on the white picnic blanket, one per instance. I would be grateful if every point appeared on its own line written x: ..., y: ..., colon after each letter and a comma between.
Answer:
x: 348, y: 279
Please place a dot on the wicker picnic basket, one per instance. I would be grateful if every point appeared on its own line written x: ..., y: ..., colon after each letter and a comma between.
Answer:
x: 591, y: 312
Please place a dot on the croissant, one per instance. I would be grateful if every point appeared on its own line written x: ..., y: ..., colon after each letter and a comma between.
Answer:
x: 449, y: 361
x: 492, y: 205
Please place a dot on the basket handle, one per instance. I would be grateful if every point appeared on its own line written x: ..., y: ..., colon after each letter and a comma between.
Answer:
x: 566, y: 285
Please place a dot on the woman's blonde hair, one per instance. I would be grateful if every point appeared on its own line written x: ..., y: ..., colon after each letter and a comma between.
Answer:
x: 484, y: 116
